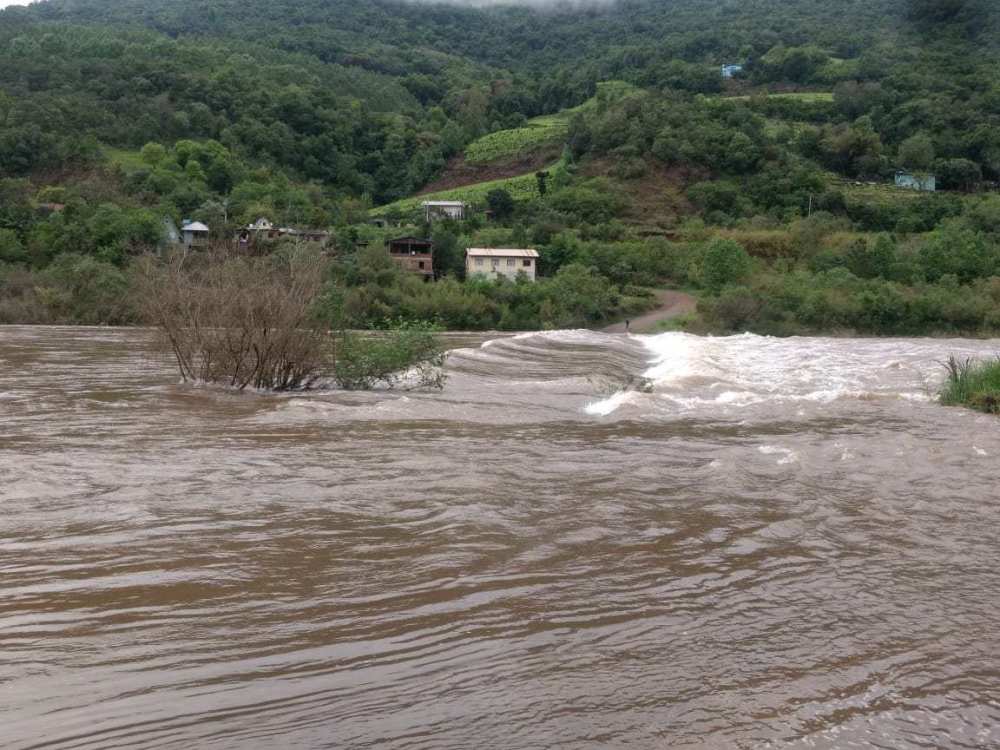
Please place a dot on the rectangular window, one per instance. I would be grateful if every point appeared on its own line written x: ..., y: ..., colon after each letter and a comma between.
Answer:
x: 479, y: 261
x: 421, y: 265
x: 527, y: 264
x: 496, y: 262
x: 511, y: 262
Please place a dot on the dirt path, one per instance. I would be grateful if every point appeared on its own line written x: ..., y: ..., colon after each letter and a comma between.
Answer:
x: 671, y: 305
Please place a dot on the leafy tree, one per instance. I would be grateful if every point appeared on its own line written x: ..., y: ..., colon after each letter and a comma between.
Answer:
x: 11, y: 248
x: 542, y: 179
x: 872, y: 260
x: 501, y: 203
x: 723, y: 261
x: 917, y: 152
x: 959, y: 174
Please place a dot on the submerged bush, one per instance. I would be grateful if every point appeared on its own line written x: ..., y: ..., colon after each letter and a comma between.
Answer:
x: 237, y: 321
x: 973, y: 383
x: 408, y: 353
x: 261, y: 322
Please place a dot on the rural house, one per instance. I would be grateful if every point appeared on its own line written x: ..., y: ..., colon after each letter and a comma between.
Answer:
x: 444, y: 210
x: 493, y: 262
x: 194, y: 234
x: 415, y: 254
x: 728, y: 71
x: 926, y: 183
x: 264, y: 230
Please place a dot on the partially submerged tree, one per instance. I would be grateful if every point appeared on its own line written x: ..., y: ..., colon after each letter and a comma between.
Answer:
x: 255, y: 322
x: 236, y: 320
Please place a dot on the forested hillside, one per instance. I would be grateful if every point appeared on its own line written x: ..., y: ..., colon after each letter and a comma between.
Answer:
x: 114, y: 113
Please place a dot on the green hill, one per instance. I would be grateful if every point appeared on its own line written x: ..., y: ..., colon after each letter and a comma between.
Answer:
x: 117, y: 113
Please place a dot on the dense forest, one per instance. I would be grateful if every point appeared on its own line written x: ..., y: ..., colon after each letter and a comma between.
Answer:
x: 605, y: 136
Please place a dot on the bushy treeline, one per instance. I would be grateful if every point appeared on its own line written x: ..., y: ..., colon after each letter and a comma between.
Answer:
x: 947, y: 281
x: 374, y: 290
x: 372, y: 96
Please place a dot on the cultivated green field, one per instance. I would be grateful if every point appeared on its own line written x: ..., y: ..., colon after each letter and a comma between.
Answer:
x: 522, y: 187
x: 882, y: 193
x: 802, y: 96
x: 539, y: 131
x: 507, y: 144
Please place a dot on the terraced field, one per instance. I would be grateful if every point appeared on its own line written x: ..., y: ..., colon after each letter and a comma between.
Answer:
x: 538, y: 132
x: 801, y: 96
x: 522, y: 187
x: 507, y: 144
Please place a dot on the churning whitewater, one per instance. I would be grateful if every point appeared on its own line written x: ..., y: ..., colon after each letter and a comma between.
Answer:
x: 693, y: 373
x: 584, y: 541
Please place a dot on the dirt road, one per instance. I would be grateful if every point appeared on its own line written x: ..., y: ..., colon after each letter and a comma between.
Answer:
x: 671, y: 304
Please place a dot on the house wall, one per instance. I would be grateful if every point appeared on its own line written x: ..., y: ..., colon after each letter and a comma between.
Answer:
x: 194, y: 239
x: 452, y: 212
x: 926, y: 184
x: 411, y: 263
x: 501, y: 267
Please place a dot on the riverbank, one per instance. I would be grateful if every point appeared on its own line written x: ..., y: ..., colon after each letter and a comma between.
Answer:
x: 670, y: 304
x: 973, y: 383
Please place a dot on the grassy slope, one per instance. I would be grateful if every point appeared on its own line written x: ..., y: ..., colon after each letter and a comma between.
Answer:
x: 522, y: 187
x: 508, y: 145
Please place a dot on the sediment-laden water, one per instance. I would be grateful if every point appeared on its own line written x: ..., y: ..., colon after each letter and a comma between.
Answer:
x: 585, y: 541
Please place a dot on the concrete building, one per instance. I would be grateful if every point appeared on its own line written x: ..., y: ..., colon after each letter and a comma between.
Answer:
x: 728, y: 71
x: 444, y: 210
x: 264, y: 231
x: 925, y: 183
x: 500, y: 261
x: 415, y: 254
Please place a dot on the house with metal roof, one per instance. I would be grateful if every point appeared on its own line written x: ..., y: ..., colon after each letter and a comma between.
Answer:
x: 194, y: 234
x: 492, y: 262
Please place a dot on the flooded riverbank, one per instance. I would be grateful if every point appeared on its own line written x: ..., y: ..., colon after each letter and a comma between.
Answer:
x: 584, y: 541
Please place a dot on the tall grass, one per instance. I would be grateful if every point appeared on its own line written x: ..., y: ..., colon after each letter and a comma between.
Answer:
x: 972, y: 382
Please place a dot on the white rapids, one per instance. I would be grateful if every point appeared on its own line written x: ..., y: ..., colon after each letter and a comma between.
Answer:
x: 690, y: 373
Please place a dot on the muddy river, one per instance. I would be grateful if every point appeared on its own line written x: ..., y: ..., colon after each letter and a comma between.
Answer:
x: 584, y: 541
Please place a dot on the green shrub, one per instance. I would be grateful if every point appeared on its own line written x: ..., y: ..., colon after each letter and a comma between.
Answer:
x: 407, y: 353
x: 973, y: 383
x: 723, y: 261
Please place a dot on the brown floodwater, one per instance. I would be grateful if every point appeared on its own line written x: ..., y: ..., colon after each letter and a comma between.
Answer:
x: 761, y: 543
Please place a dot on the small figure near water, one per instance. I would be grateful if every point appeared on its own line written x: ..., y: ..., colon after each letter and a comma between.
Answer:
x: 628, y: 323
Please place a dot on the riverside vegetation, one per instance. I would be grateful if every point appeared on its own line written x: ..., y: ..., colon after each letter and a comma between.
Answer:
x: 607, y: 136
x: 265, y: 323
x: 974, y: 383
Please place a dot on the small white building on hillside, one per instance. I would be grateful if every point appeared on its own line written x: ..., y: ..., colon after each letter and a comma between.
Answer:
x: 444, y: 210
x: 194, y: 234
x: 500, y: 261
